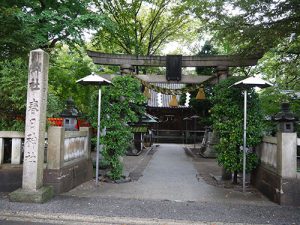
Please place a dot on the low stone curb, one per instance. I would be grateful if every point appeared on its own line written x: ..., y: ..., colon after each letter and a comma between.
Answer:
x: 60, y: 218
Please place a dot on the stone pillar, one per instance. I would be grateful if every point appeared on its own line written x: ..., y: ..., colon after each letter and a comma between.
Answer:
x: 222, y: 73
x: 1, y: 150
x: 287, y: 154
x: 88, y: 142
x: 16, y: 151
x: 126, y: 69
x: 34, y: 141
x: 55, y: 152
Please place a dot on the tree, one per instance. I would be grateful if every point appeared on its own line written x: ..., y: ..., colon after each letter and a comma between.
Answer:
x: 255, y: 26
x: 227, y: 117
x: 66, y: 67
x: 13, y: 86
x: 270, y: 28
x: 27, y: 25
x: 119, y: 108
x: 140, y: 27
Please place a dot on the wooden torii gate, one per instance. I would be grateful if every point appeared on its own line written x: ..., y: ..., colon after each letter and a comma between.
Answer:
x: 220, y: 62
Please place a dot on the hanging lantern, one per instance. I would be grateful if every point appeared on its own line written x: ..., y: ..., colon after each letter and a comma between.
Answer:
x: 147, y: 93
x: 200, y: 94
x: 173, y: 102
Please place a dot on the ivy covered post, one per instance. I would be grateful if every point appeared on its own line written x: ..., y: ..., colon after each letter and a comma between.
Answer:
x: 227, y: 116
x: 123, y: 102
x: 245, y: 84
x: 100, y: 81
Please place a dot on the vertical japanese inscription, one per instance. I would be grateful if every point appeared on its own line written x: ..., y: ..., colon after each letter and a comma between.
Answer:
x: 34, y: 101
x: 34, y: 70
x: 35, y: 120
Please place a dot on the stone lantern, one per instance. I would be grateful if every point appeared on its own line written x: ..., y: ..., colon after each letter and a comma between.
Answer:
x: 69, y: 116
x: 286, y: 119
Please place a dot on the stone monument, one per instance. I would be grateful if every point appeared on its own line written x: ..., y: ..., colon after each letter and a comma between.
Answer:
x: 34, y: 142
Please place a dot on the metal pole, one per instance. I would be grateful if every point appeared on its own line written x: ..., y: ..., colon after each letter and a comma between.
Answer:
x: 244, y: 139
x: 98, y: 138
x: 194, y: 133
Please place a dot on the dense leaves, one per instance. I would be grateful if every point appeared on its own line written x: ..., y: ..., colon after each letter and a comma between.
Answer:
x: 255, y: 26
x: 27, y: 25
x: 227, y: 116
x: 140, y: 27
x: 13, y: 86
x: 66, y: 67
x: 122, y: 103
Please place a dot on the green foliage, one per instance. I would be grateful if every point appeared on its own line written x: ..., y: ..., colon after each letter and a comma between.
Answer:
x: 122, y: 102
x: 27, y: 25
x: 66, y: 67
x: 207, y: 50
x: 9, y: 124
x: 227, y: 116
x: 13, y: 86
x: 140, y: 27
x: 250, y: 26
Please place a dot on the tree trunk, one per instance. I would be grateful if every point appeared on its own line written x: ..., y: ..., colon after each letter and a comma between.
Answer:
x: 226, y: 175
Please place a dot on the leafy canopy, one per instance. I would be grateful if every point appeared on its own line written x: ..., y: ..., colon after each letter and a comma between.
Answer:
x: 140, y: 27
x: 227, y: 116
x: 122, y: 103
x: 255, y: 26
x: 27, y: 25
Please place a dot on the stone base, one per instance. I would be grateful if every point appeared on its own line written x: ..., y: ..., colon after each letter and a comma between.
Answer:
x: 70, y: 176
x: 209, y: 152
x: 279, y: 190
x: 41, y: 195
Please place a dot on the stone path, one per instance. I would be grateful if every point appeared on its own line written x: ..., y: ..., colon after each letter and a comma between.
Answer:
x: 170, y: 175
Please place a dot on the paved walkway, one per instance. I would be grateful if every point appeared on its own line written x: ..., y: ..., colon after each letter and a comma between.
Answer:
x: 170, y: 175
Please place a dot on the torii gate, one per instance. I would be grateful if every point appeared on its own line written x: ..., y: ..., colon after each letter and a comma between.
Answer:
x: 220, y: 62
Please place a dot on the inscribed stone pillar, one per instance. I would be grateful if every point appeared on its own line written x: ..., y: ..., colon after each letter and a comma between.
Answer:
x: 35, y: 126
x: 34, y: 140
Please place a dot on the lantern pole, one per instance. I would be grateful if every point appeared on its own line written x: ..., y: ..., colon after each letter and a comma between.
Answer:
x: 244, y: 140
x: 98, y: 137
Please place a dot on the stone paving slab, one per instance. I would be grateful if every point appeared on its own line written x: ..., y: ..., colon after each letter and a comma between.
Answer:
x: 170, y: 175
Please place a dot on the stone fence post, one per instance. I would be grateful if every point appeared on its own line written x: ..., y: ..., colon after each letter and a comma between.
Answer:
x: 287, y: 155
x: 55, y: 152
x: 88, y: 143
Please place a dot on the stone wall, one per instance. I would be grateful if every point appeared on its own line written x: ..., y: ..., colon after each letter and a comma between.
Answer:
x: 277, y: 175
x: 68, y: 159
x: 69, y: 162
